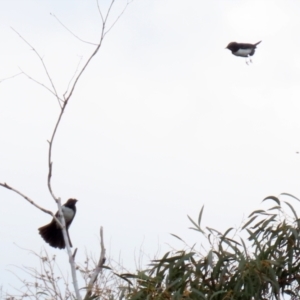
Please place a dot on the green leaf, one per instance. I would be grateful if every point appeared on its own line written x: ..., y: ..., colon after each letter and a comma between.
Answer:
x: 198, y: 293
x: 250, y: 221
x: 244, y: 245
x: 253, y: 237
x: 200, y: 216
x: 287, y: 194
x: 257, y: 224
x: 213, y: 230
x: 266, y: 222
x: 126, y: 276
x: 177, y: 237
x: 292, y: 209
x: 275, y: 207
x: 272, y: 198
x: 295, y: 233
x: 227, y: 231
x: 197, y: 227
x: 258, y: 211
x: 216, y: 294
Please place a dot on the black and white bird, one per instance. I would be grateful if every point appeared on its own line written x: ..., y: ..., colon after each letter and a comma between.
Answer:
x: 52, y: 233
x: 241, y: 49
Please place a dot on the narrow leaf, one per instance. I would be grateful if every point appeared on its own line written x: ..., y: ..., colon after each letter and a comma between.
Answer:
x: 194, y: 223
x: 211, y: 230
x: 227, y: 231
x: 287, y: 194
x: 272, y: 198
x: 244, y: 245
x: 258, y: 211
x: 250, y: 221
x: 292, y: 209
x: 177, y: 237
x: 200, y: 216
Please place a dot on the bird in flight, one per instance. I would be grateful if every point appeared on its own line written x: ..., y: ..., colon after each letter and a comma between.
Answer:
x: 52, y: 233
x: 243, y: 50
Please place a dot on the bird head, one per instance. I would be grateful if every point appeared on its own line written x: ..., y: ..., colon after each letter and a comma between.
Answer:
x: 71, y: 202
x: 231, y: 45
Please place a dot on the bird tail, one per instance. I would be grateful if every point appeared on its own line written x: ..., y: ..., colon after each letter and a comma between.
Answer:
x: 257, y: 43
x: 52, y: 234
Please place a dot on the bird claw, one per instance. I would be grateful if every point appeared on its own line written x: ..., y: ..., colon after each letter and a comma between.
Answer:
x: 249, y: 61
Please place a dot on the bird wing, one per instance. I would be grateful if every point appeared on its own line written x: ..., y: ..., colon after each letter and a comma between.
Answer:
x: 248, y: 46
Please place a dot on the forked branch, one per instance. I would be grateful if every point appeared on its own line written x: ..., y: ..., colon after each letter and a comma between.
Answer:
x: 5, y: 185
x: 98, y: 269
x: 43, y: 63
x: 63, y: 102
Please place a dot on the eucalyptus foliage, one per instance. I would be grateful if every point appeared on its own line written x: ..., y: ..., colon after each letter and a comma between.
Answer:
x: 264, y: 265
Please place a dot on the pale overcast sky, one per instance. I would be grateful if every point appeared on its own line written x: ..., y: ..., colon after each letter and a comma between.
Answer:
x: 163, y: 121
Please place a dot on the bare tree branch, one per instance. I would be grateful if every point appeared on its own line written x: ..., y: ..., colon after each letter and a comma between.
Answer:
x: 98, y: 269
x: 5, y: 185
x: 42, y: 61
x: 117, y: 19
x: 104, y: 20
x: 68, y: 247
x: 44, y: 86
x: 99, y: 9
x: 61, y: 222
x: 53, y: 15
x: 63, y: 104
x: 84, y: 67
x: 66, y: 100
x: 46, y: 280
x: 72, y: 77
x: 13, y: 76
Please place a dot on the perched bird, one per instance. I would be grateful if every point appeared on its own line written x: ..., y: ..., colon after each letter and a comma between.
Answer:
x: 240, y: 49
x: 52, y: 233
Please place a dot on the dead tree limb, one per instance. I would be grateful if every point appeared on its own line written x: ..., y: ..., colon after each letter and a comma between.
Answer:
x: 98, y: 269
x: 63, y: 102
x: 5, y: 185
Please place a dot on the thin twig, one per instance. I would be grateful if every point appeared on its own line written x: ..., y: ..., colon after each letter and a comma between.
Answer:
x: 63, y: 104
x: 109, y: 9
x: 76, y: 36
x: 98, y: 268
x: 117, y: 19
x: 71, y: 260
x: 84, y: 67
x: 99, y: 10
x: 63, y: 109
x: 42, y: 61
x: 31, y: 202
x: 73, y: 76
x: 45, y: 279
x: 7, y: 78
x: 44, y: 86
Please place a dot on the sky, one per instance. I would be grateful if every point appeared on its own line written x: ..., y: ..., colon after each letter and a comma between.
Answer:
x: 163, y: 121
